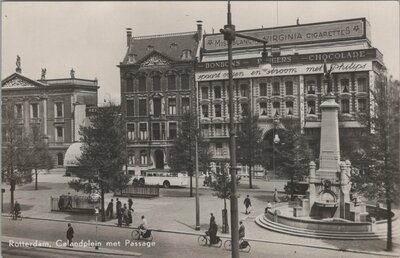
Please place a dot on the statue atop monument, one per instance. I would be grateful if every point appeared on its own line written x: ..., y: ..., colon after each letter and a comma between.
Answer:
x: 328, y: 78
x: 72, y: 73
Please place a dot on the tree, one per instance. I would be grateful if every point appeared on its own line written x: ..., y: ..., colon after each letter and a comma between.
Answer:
x: 103, y: 154
x: 40, y: 158
x: 249, y: 144
x: 376, y: 166
x: 183, y: 150
x: 293, y: 154
x: 222, y: 189
x: 15, y: 166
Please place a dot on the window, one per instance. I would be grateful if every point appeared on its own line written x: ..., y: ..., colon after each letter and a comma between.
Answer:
x: 143, y: 157
x: 172, y: 106
x: 19, y: 132
x: 204, y: 93
x: 184, y: 81
x: 163, y: 131
x: 3, y: 112
x: 18, y: 111
x: 60, y: 159
x: 245, y: 109
x: 263, y: 89
x: 4, y: 134
x: 59, y: 109
x: 263, y: 108
x: 156, y: 83
x: 142, y: 83
x: 276, y: 88
x: 131, y: 159
x: 130, y: 107
x: 171, y: 82
x: 345, y: 106
x: 35, y: 133
x: 34, y: 110
x: 131, y: 132
x: 205, y: 132
x: 218, y: 149
x: 289, y: 87
x: 129, y: 85
x: 218, y: 112
x: 143, y: 131
x: 185, y: 105
x: 59, y: 134
x: 172, y: 130
x: 311, y: 107
x: 362, y: 84
x: 156, y: 131
x: 218, y: 130
x: 142, y: 107
x: 344, y: 84
x: 157, y: 106
x: 204, y: 110
x: 362, y: 105
x: 289, y: 108
x: 244, y: 92
x: 310, y: 87
x: 217, y: 92
x: 276, y: 106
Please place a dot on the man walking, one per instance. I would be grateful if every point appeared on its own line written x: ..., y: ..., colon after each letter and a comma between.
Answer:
x: 247, y: 204
x: 130, y: 203
x: 70, y: 235
x: 119, y: 213
x: 110, y: 208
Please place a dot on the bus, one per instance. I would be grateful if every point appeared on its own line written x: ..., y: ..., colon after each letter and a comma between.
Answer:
x: 164, y: 178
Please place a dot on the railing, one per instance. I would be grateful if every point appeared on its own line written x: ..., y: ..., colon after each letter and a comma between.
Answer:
x: 73, y: 204
x: 147, y: 191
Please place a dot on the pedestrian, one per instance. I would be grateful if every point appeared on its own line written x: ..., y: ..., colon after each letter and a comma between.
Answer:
x: 17, y: 210
x: 110, y: 209
x: 70, y: 235
x: 247, y: 204
x: 242, y: 230
x: 69, y: 201
x: 125, y: 214
x: 212, y: 230
x: 130, y: 218
x: 130, y: 203
x: 276, y: 198
x: 119, y: 213
x: 269, y: 206
x: 212, y: 218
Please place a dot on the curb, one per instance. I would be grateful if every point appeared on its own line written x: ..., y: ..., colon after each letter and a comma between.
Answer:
x: 226, y: 236
x: 105, y: 251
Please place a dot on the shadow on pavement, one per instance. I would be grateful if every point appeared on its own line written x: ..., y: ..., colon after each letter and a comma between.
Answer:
x: 24, y: 207
x: 32, y: 188
x: 360, y: 245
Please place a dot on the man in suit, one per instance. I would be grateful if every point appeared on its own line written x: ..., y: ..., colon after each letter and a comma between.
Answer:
x: 70, y: 235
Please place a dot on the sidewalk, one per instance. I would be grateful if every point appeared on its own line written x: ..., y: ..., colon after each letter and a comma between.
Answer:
x: 15, y: 242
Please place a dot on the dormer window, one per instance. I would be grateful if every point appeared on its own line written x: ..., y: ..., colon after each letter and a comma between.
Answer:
x: 150, y: 48
x: 173, y: 45
x: 186, y: 54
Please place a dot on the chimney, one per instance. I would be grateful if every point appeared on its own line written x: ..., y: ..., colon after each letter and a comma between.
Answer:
x: 128, y: 36
x: 199, y: 29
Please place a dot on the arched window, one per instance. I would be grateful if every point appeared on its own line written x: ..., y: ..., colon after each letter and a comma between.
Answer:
x: 289, y: 87
x: 60, y: 159
x: 143, y: 157
x: 345, y: 106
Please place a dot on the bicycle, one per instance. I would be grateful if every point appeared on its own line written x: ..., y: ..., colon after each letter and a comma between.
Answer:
x: 137, y: 235
x: 204, y: 240
x: 244, y: 246
x: 12, y: 216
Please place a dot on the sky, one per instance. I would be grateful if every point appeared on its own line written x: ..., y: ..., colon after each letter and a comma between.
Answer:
x: 90, y: 37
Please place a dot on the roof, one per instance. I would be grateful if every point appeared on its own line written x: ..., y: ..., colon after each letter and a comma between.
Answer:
x: 169, y: 45
x: 15, y: 76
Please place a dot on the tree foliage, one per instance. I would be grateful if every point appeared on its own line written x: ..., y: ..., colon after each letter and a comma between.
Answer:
x: 103, y: 154
x: 249, y: 144
x: 293, y: 154
x: 183, y: 151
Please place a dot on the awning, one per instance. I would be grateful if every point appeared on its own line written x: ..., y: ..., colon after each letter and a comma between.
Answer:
x: 73, y: 154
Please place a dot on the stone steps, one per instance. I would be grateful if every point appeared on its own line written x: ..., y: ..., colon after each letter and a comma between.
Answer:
x: 280, y: 228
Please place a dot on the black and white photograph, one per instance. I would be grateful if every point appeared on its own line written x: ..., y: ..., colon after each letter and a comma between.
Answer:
x: 200, y: 129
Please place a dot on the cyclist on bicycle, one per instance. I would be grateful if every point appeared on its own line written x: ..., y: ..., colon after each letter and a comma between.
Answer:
x: 143, y: 226
x: 17, y: 210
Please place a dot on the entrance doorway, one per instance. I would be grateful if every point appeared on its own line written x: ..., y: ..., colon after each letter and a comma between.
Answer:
x: 159, y: 159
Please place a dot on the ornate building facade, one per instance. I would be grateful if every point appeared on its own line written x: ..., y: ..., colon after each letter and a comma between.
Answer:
x: 157, y: 88
x: 292, y: 84
x: 48, y: 109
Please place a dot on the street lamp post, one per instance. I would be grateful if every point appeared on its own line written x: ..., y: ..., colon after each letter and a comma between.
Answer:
x: 229, y: 35
x: 276, y: 140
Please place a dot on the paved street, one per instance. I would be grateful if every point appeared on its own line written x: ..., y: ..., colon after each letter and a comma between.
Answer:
x: 173, y: 211
x: 166, y: 244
